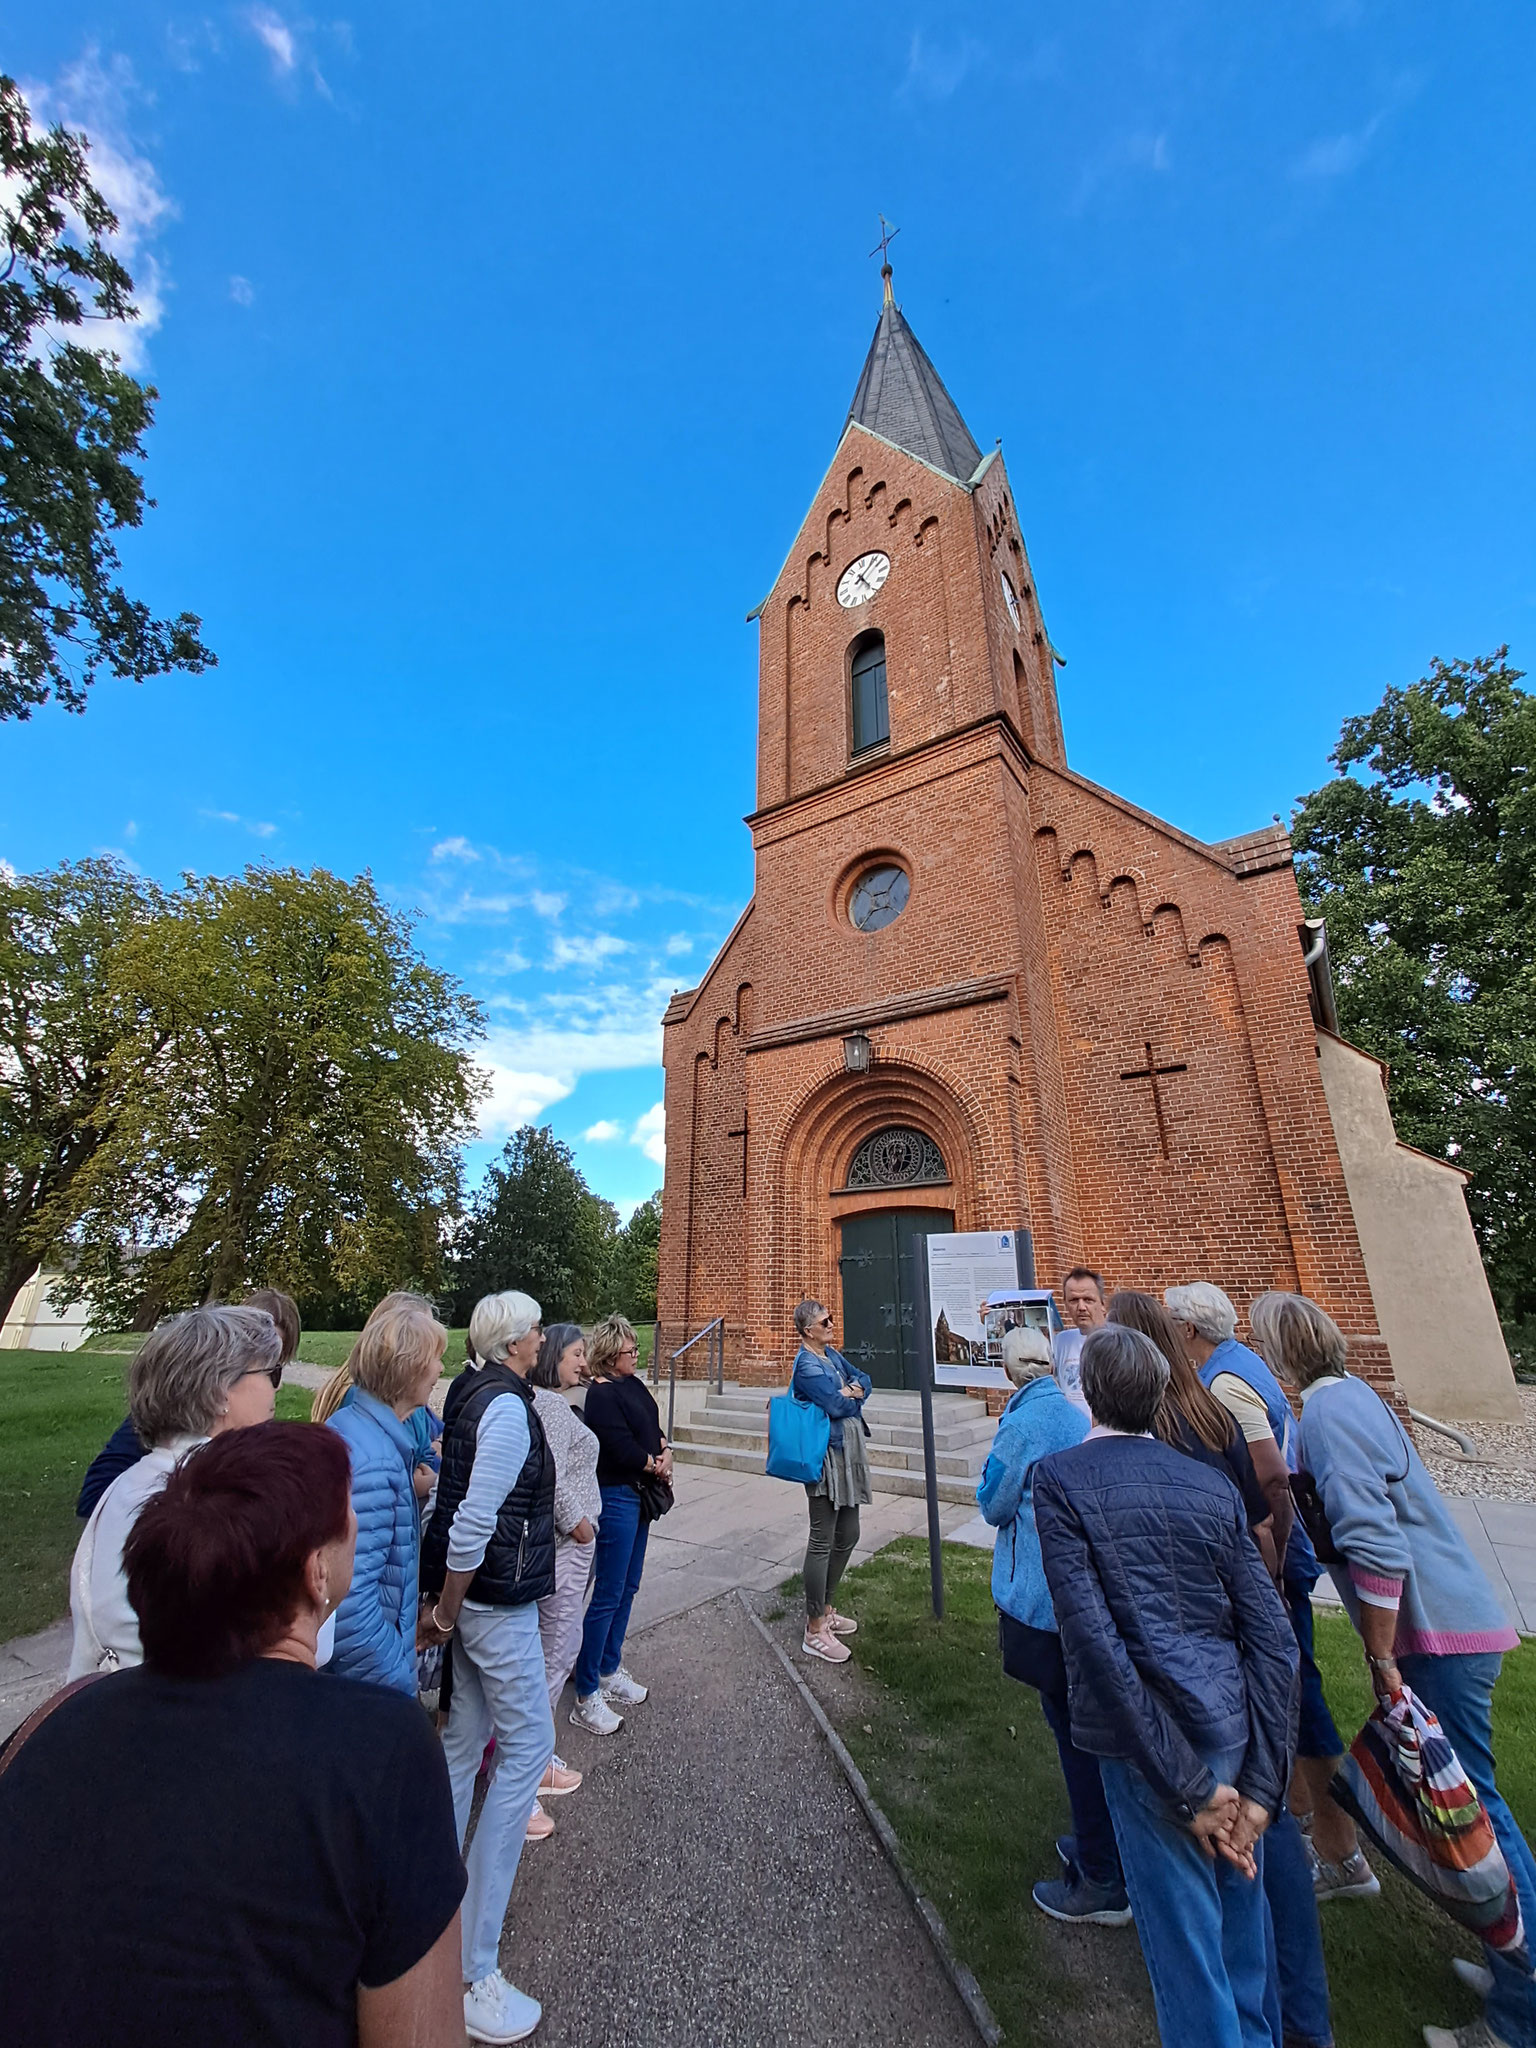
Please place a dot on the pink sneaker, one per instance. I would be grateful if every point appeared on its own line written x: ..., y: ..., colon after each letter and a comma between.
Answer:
x: 822, y: 1643
x: 558, y: 1780
x: 540, y: 1826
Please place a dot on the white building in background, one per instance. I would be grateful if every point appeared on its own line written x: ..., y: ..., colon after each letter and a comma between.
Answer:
x: 33, y: 1324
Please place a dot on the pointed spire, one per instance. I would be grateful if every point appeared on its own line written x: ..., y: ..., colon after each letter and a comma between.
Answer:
x: 901, y: 397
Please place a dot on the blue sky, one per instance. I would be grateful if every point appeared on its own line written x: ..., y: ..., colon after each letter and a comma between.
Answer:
x: 501, y: 351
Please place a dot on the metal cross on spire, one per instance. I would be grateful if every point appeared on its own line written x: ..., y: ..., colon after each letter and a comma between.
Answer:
x: 882, y: 249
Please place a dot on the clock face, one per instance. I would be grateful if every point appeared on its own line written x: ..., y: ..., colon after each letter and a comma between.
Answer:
x: 861, y: 580
x: 1010, y: 600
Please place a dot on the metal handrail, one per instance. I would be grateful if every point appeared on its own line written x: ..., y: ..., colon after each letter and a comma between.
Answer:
x: 715, y: 1370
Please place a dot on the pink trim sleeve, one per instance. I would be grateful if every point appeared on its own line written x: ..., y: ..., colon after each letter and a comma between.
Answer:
x: 1374, y: 1589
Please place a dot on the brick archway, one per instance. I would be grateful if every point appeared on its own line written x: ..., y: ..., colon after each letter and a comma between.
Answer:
x: 808, y: 1167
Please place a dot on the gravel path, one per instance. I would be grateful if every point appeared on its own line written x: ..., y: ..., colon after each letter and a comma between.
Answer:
x: 713, y: 1883
x: 1507, y: 1467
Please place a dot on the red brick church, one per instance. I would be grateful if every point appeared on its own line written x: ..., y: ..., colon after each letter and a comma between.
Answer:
x: 974, y: 991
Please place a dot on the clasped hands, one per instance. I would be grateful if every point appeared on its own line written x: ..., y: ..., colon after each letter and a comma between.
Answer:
x: 1228, y: 1825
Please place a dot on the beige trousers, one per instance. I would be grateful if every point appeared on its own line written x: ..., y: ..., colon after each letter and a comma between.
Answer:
x: 560, y: 1614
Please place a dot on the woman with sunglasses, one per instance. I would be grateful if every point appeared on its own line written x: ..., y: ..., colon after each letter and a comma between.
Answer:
x: 201, y: 1373
x: 824, y: 1376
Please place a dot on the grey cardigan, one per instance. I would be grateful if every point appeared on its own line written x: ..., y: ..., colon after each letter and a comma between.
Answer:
x: 574, y: 1448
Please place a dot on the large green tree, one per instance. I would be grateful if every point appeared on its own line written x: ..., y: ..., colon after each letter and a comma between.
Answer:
x: 287, y: 1109
x: 72, y: 426
x: 535, y: 1224
x: 61, y: 1019
x: 1421, y: 855
x: 633, y: 1267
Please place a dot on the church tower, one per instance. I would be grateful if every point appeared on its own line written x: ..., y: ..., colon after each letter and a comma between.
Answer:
x: 973, y: 990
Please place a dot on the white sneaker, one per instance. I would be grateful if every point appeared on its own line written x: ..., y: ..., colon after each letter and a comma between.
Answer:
x: 595, y: 1715
x: 1476, y: 1976
x: 1476, y: 2034
x: 626, y: 1690
x: 495, y: 2010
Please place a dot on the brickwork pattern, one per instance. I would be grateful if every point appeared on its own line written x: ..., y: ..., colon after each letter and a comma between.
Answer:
x: 1053, y: 934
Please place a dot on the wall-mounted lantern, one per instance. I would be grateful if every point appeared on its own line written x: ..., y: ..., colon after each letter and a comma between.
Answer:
x: 857, y: 1053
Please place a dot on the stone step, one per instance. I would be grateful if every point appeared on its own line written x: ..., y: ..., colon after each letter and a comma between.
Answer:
x: 882, y: 1479
x: 890, y: 1447
x: 898, y: 1410
x: 961, y: 1462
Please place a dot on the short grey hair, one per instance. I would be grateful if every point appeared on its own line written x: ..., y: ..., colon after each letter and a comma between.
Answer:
x: 1124, y: 1377
x: 179, y: 1382
x: 1205, y: 1308
x: 1026, y: 1354
x: 501, y: 1320
x: 1300, y: 1342
x: 807, y: 1315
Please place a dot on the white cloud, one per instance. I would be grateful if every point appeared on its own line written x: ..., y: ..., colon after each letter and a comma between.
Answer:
x: 936, y: 72
x: 509, y: 961
x: 131, y: 830
x: 677, y: 945
x: 539, y: 1062
x: 545, y: 903
x: 590, y: 950
x: 276, y: 36
x: 457, y: 848
x: 94, y: 99
x: 603, y: 1132
x: 242, y: 291
x: 260, y: 828
x: 650, y: 1133
x: 1334, y: 156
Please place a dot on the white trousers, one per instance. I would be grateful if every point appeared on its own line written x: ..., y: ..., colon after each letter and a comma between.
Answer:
x: 561, y: 1612
x: 498, y: 1689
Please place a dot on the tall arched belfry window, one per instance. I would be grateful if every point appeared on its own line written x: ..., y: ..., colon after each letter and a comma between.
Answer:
x: 871, y: 711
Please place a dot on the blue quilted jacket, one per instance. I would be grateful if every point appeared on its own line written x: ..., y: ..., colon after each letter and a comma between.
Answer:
x: 376, y: 1623
x: 1175, y: 1641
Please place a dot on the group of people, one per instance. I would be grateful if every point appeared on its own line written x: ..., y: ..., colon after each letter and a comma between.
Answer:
x: 226, y: 1559
x: 1154, y: 1586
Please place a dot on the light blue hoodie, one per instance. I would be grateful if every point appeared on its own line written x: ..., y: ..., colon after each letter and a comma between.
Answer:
x: 1038, y: 1420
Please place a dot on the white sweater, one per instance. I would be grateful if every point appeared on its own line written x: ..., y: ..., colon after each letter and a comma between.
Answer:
x: 578, y: 1497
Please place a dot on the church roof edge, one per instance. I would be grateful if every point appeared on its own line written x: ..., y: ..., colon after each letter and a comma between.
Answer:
x: 682, y: 1000
x: 901, y: 397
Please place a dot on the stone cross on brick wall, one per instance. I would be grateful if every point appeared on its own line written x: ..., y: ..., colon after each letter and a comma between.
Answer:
x: 1154, y: 1073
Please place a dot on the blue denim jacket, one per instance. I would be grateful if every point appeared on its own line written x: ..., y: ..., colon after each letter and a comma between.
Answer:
x: 821, y: 1380
x: 1038, y: 1420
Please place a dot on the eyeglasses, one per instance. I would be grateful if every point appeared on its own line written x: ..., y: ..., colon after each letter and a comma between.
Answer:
x: 272, y: 1372
x: 825, y: 1323
x: 629, y: 1351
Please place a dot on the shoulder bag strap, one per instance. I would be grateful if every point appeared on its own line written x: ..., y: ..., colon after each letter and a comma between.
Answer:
x: 13, y: 1742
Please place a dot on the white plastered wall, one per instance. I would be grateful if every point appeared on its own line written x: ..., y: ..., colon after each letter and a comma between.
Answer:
x: 1421, y: 1256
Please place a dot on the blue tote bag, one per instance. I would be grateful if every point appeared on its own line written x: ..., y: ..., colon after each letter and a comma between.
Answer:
x: 798, y: 1432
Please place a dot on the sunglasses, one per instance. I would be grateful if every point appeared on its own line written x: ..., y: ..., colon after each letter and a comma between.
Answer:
x: 272, y: 1372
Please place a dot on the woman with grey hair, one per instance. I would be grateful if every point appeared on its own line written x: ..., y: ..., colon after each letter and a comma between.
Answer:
x: 209, y: 1370
x: 1419, y: 1600
x: 487, y: 1561
x: 822, y: 1375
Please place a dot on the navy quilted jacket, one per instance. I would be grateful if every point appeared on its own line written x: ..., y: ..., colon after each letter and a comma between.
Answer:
x: 1174, y: 1637
x: 376, y: 1623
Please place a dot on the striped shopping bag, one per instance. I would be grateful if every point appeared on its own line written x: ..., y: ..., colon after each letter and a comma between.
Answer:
x: 1404, y: 1784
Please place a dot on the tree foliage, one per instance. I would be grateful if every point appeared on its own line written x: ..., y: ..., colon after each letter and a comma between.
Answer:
x: 72, y: 426
x: 285, y: 1104
x: 633, y: 1264
x: 1423, y: 864
x: 61, y: 1019
x: 534, y: 1224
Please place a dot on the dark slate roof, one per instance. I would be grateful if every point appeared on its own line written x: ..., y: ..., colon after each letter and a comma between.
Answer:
x: 902, y: 397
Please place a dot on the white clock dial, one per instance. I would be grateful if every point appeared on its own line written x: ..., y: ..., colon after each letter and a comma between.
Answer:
x: 1010, y: 600
x: 861, y: 580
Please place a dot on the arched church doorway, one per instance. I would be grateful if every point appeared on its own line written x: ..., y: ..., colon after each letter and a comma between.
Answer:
x: 880, y: 1271
x: 880, y: 1253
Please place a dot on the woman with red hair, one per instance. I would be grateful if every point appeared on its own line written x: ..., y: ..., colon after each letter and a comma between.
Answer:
x: 214, y: 1845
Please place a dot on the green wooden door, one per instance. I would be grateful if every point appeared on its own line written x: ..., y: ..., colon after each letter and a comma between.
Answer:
x: 879, y: 1268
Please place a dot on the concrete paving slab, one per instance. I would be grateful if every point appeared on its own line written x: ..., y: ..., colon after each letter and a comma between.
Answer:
x: 978, y: 1532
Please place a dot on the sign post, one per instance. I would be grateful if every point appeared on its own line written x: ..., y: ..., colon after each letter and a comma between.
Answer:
x: 924, y: 1335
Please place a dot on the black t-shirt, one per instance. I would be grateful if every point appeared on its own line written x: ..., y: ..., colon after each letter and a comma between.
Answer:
x: 220, y: 1861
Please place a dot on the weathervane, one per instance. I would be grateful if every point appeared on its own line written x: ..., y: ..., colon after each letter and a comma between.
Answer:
x: 883, y: 251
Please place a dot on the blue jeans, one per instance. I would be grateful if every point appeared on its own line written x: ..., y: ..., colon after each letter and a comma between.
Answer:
x: 1203, y: 1925
x: 499, y: 1688
x: 1459, y: 1693
x: 621, y: 1540
x: 1298, y: 1940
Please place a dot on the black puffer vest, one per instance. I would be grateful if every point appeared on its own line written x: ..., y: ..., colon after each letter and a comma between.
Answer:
x: 519, y: 1562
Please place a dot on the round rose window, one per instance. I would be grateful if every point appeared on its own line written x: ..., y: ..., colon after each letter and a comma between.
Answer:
x: 879, y: 897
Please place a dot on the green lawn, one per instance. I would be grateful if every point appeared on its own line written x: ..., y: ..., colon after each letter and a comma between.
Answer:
x: 963, y: 1764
